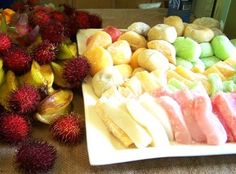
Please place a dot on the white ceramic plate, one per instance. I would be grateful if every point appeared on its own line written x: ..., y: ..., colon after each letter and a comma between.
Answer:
x: 103, y: 148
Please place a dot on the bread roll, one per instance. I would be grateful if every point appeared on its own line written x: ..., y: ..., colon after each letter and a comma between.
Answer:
x: 135, y: 40
x: 139, y: 27
x: 99, y: 58
x: 120, y: 52
x: 162, y: 32
x: 207, y: 22
x: 151, y: 60
x: 167, y: 49
x: 198, y: 33
x: 176, y: 22
x: 105, y: 79
x: 125, y: 70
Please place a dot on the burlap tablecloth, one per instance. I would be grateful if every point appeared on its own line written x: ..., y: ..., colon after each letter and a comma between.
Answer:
x: 74, y: 160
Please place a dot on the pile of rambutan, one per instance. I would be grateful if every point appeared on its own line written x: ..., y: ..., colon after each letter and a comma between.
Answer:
x: 39, y: 70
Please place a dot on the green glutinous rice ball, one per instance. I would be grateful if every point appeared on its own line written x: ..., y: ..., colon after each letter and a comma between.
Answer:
x: 183, y: 62
x: 206, y: 50
x: 210, y: 61
x: 222, y: 47
x: 187, y: 48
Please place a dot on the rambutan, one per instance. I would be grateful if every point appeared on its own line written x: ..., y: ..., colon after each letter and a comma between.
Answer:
x: 54, y: 32
x: 68, y: 129
x: 2, y: 110
x: 18, y: 6
x: 24, y: 100
x: 68, y: 10
x: 95, y: 21
x: 81, y: 19
x: 32, y: 2
x: 14, y: 128
x: 17, y: 60
x: 45, y: 52
x: 5, y: 42
x: 76, y: 70
x: 36, y: 156
x: 40, y: 16
x: 59, y: 16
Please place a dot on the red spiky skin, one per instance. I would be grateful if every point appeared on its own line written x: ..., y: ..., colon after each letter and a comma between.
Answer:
x: 18, y: 6
x: 76, y: 70
x: 81, y: 19
x: 68, y: 129
x: 24, y: 100
x: 45, y: 52
x: 17, y: 60
x: 14, y: 128
x: 95, y: 21
x: 40, y: 16
x: 5, y: 42
x: 68, y: 10
x: 32, y: 2
x: 59, y: 16
x: 53, y: 32
x: 36, y: 156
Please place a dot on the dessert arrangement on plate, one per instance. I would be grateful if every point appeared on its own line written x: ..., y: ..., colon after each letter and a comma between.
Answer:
x: 159, y: 86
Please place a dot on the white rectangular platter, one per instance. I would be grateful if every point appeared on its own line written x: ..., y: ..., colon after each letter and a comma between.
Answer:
x: 104, y: 149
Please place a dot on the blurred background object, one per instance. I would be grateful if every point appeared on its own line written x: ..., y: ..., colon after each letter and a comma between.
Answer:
x: 6, y: 3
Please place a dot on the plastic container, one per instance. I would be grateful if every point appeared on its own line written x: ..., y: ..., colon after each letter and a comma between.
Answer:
x: 182, y: 8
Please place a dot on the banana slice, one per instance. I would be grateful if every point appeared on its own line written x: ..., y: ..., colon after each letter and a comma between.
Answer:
x: 149, y: 103
x: 152, y: 125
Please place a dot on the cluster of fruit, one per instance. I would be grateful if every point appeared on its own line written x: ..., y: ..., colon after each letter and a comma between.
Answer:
x: 39, y: 68
x: 128, y: 64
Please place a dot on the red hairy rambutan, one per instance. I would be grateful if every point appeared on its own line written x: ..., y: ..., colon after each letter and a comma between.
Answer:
x: 54, y: 32
x: 14, y: 128
x: 68, y: 129
x: 36, y: 156
x: 59, y: 16
x: 2, y: 110
x: 18, y: 6
x: 76, y: 70
x: 45, y: 52
x: 17, y: 60
x: 40, y: 16
x: 95, y: 21
x: 68, y: 10
x: 81, y: 19
x: 24, y: 100
x: 5, y: 42
x: 32, y: 2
